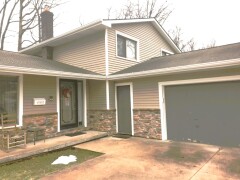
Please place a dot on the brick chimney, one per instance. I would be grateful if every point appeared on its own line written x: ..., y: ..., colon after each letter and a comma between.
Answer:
x: 46, y: 24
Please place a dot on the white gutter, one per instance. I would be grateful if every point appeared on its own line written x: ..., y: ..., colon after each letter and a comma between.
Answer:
x: 177, y: 69
x: 34, y: 71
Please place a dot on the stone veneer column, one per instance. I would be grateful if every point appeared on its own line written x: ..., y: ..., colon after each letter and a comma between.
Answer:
x: 102, y: 120
x: 147, y: 123
x: 48, y: 121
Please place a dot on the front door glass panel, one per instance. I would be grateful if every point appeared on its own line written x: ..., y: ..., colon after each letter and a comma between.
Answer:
x: 68, y: 103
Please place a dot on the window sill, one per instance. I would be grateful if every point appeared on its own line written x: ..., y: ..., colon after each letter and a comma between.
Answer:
x: 128, y: 59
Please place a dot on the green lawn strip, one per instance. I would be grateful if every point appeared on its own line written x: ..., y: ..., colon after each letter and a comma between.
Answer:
x: 38, y: 166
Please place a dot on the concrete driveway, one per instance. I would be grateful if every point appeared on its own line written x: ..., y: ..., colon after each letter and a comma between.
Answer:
x: 138, y: 158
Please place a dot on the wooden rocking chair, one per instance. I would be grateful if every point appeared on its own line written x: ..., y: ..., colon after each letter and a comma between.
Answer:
x: 11, y: 135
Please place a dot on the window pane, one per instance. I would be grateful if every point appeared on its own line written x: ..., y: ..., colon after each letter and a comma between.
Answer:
x: 121, y: 46
x: 131, y: 49
x: 9, y: 95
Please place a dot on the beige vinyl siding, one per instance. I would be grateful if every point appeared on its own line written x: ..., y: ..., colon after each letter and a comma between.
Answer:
x: 150, y: 44
x: 87, y: 53
x: 145, y: 90
x: 96, y: 94
x: 39, y: 87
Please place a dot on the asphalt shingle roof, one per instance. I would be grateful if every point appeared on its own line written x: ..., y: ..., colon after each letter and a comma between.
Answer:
x: 26, y: 61
x: 215, y: 54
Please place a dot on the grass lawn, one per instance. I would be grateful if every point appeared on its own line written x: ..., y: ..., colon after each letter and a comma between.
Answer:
x: 38, y: 166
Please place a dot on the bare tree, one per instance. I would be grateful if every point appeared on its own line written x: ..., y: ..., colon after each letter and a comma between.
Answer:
x: 183, y: 45
x: 147, y: 9
x: 7, y: 9
x: 29, y: 20
x: 211, y: 44
x: 24, y: 14
x: 160, y: 11
x: 187, y: 45
x: 191, y: 45
x: 152, y: 9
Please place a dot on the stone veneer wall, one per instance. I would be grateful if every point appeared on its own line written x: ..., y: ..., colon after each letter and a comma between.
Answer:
x: 102, y: 120
x: 147, y: 123
x: 48, y: 121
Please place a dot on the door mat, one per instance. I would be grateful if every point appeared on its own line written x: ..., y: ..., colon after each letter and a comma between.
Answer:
x: 75, y: 134
x: 123, y: 136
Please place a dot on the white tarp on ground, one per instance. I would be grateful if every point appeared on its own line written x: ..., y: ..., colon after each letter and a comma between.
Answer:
x: 65, y: 159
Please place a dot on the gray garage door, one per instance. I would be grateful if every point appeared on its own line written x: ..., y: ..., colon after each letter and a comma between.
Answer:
x: 206, y: 113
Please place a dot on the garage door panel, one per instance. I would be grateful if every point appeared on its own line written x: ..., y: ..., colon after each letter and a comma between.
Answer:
x: 207, y: 113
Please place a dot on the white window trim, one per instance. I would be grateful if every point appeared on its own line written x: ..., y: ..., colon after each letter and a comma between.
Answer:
x: 131, y: 38
x: 131, y: 99
x: 161, y: 88
x: 164, y: 50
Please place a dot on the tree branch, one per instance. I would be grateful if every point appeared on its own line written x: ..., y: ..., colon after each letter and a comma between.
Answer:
x: 7, y: 25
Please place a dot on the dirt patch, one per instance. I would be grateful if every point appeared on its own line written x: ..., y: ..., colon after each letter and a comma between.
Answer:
x: 177, y: 153
x: 234, y: 167
x: 226, y: 163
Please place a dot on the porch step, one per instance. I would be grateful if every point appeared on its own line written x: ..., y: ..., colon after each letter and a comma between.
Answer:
x: 50, y: 145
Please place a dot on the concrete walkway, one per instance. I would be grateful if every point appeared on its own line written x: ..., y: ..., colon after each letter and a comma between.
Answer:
x: 137, y: 158
x: 49, y: 145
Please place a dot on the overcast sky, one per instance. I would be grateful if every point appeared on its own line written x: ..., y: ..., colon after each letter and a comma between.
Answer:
x: 204, y: 20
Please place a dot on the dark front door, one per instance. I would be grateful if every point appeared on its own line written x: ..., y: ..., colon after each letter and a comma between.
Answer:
x: 124, y: 110
x: 68, y: 104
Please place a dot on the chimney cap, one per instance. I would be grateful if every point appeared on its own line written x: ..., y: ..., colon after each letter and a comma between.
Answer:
x: 46, y: 8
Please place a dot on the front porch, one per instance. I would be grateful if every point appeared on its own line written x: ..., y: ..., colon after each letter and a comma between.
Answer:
x: 49, y: 145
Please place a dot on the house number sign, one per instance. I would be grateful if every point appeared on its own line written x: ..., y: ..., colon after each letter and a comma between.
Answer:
x: 39, y: 101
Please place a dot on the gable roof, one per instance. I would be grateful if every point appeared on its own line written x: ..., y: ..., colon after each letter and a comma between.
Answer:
x: 221, y: 56
x: 26, y: 64
x: 94, y: 27
x: 153, y: 21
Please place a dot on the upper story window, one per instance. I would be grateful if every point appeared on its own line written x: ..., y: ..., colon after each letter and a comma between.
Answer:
x: 165, y: 52
x: 127, y: 47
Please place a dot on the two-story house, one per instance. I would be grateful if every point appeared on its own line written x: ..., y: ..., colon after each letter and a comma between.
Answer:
x: 128, y: 77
